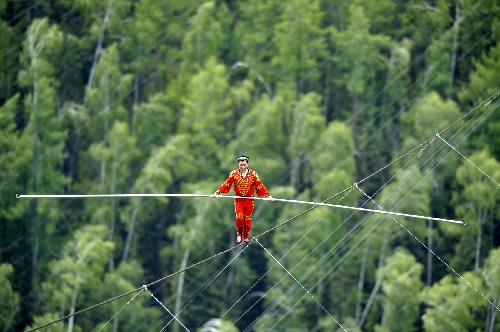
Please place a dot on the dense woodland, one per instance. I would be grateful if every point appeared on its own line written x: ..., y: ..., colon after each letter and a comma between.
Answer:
x: 161, y: 96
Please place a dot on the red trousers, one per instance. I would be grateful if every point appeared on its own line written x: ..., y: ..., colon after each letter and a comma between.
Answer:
x: 243, y: 209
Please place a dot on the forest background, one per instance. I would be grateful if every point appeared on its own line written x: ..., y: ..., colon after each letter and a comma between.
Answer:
x: 150, y: 96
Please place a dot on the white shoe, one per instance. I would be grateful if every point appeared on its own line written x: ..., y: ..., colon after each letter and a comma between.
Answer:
x: 238, y: 238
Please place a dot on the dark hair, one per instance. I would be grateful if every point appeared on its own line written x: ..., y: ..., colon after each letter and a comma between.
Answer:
x: 243, y: 158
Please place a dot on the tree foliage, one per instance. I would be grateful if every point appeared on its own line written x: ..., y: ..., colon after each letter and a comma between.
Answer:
x: 160, y: 97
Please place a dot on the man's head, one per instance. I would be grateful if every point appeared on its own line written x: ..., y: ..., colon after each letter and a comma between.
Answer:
x: 242, y: 162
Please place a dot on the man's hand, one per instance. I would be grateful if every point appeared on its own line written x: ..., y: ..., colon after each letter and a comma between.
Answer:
x: 214, y: 195
x: 271, y: 199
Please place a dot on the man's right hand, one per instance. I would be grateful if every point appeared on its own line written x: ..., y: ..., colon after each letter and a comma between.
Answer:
x: 214, y: 195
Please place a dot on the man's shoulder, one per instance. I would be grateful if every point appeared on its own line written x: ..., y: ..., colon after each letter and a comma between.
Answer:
x: 233, y: 172
x: 254, y: 173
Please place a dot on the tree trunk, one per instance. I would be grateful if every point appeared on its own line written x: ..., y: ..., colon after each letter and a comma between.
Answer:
x: 371, y: 299
x: 361, y: 281
x: 180, y: 285
x: 456, y: 31
x: 376, y: 288
x: 98, y: 48
x: 494, y: 313
x: 73, y: 303
x: 478, y: 246
x: 130, y: 233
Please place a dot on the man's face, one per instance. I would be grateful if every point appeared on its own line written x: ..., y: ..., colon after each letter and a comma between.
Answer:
x: 242, y: 165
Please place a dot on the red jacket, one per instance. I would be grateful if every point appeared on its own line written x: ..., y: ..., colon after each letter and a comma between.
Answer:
x: 244, y: 186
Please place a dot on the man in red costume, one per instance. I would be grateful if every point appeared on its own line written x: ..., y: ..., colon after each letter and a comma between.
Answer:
x: 245, y: 180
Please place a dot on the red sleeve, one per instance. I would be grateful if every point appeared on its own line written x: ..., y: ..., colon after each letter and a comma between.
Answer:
x: 260, y: 188
x: 226, y: 185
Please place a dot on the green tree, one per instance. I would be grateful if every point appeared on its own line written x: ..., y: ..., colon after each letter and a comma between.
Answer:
x: 203, y: 39
x: 443, y: 52
x: 478, y: 34
x: 300, y: 46
x: 10, y: 43
x: 255, y: 32
x: 147, y: 219
x: 407, y: 193
x: 293, y: 125
x: 11, y: 156
x: 304, y: 247
x: 46, y: 134
x: 152, y: 47
x: 15, y: 159
x: 258, y: 127
x: 107, y: 164
x: 437, y: 72
x: 154, y: 121
x: 206, y: 110
x: 429, y: 115
x: 132, y: 313
x: 81, y: 267
x: 105, y: 18
x: 304, y: 125
x: 331, y: 160
x: 452, y: 304
x: 480, y: 86
x: 114, y: 158
x: 476, y: 204
x: 10, y: 303
x: 358, y: 63
x: 423, y: 23
x: 491, y: 276
x: 106, y: 95
x: 400, y: 285
x: 386, y: 16
x: 394, y: 99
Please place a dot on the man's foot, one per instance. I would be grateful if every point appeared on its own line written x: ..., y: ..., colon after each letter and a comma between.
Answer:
x: 246, y: 235
x: 238, y: 238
